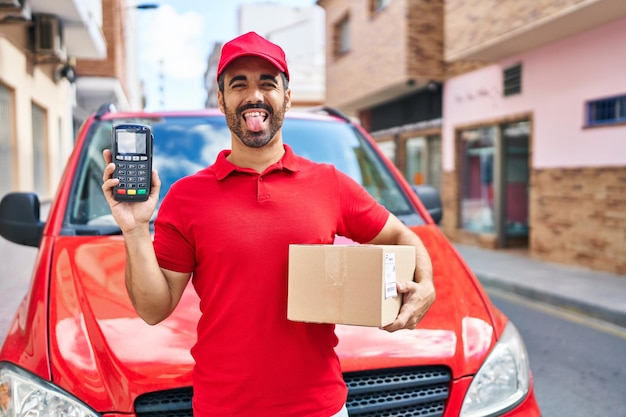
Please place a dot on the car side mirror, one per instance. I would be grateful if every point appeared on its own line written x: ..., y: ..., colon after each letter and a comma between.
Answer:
x: 431, y: 199
x: 19, y: 219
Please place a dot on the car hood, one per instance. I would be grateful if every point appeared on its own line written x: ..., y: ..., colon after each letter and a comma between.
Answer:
x: 100, y: 348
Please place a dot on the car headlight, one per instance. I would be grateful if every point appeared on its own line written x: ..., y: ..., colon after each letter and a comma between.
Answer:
x: 504, y: 379
x: 23, y: 394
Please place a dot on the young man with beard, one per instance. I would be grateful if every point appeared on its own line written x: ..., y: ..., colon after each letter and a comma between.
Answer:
x: 233, y: 238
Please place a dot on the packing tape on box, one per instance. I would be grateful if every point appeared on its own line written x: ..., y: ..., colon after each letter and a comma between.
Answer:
x: 336, y: 266
x: 336, y: 273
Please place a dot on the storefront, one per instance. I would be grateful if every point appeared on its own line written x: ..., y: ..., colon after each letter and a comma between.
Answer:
x: 533, y: 152
x: 494, y: 181
x: 416, y: 152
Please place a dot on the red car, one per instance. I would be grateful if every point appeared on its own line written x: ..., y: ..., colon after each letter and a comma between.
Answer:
x: 77, y: 348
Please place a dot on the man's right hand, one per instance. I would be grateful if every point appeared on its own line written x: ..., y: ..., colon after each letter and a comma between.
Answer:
x: 155, y: 292
x: 129, y: 216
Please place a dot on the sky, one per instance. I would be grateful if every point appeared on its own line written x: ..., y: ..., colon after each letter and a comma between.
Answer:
x: 174, y: 42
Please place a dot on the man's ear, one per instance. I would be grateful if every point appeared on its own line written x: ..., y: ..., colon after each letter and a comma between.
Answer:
x: 220, y: 101
x: 288, y: 99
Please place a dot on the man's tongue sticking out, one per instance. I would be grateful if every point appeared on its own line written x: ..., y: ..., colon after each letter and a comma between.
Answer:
x: 254, y: 121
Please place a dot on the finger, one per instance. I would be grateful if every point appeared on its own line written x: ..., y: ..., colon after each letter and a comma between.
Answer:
x: 407, y: 286
x: 408, y: 317
x: 401, y: 321
x: 400, y: 324
x: 107, y: 187
x: 108, y: 182
x: 156, y: 184
x: 108, y: 157
x: 108, y: 172
x: 156, y: 180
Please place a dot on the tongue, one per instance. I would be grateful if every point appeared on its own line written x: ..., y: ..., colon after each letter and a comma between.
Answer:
x: 255, y: 123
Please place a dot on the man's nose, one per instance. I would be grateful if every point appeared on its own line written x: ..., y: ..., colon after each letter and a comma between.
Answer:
x: 255, y: 95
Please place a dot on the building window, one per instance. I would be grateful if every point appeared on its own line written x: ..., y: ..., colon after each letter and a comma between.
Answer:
x: 378, y: 5
x: 606, y: 111
x: 6, y: 143
x: 388, y: 147
x: 416, y: 107
x: 477, y: 180
x: 342, y: 36
x: 494, y: 181
x: 512, y: 80
x: 423, y: 161
x: 39, y: 150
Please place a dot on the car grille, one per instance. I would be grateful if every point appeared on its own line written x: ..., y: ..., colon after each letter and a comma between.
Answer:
x: 171, y: 403
x: 398, y: 392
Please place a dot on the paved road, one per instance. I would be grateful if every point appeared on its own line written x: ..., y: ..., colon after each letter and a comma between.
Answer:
x: 578, y: 363
x: 17, y: 263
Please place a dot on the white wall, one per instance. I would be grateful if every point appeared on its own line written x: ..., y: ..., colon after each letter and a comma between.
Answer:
x: 54, y: 97
x: 557, y: 81
x: 301, y: 34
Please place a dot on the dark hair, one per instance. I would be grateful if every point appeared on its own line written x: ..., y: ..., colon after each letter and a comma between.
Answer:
x: 220, y: 81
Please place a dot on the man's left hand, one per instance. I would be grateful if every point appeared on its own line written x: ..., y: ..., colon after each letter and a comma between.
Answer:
x: 417, y: 297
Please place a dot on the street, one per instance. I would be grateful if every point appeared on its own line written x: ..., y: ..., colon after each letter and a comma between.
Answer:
x: 578, y: 363
x: 17, y: 263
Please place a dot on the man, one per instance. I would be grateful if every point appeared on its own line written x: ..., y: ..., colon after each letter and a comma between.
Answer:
x: 229, y: 227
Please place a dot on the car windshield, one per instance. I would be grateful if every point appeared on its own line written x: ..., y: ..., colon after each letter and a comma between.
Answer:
x: 185, y: 144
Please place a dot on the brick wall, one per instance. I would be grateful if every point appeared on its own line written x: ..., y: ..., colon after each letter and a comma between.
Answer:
x: 473, y: 22
x: 377, y: 50
x: 113, y: 66
x: 425, y: 39
x: 578, y: 216
x: 450, y: 223
x: 400, y: 44
x: 456, y: 68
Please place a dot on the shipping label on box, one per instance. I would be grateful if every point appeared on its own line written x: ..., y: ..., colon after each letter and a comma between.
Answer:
x: 353, y: 284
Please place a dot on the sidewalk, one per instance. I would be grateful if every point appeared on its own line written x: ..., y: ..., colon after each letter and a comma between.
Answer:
x: 597, y: 294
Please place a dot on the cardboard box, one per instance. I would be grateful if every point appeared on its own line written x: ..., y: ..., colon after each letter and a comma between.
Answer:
x: 347, y: 284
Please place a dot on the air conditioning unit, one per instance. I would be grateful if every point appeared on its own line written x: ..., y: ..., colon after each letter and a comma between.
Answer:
x: 13, y: 4
x: 15, y: 10
x: 47, y: 35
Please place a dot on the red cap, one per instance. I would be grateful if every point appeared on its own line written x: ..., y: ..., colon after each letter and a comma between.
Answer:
x: 251, y: 44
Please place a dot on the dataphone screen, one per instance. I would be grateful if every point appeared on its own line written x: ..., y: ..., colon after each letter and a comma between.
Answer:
x: 131, y: 142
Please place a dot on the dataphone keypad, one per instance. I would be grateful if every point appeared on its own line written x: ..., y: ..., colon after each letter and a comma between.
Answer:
x: 132, y: 171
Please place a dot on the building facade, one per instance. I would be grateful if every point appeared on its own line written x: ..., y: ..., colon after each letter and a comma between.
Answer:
x: 535, y: 141
x: 59, y: 61
x: 528, y: 149
x: 37, y: 43
x: 385, y: 66
x: 114, y: 77
x: 300, y: 32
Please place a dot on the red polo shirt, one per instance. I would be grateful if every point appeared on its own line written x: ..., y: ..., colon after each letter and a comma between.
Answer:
x: 232, y: 228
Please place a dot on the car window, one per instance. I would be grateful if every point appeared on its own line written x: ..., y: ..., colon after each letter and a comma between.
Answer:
x: 182, y: 146
x: 185, y: 144
x: 342, y: 145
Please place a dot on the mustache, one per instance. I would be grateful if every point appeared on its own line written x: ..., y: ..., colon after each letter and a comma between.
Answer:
x: 258, y: 106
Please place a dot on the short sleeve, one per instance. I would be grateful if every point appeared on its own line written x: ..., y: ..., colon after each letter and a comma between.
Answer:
x: 171, y: 240
x: 362, y: 217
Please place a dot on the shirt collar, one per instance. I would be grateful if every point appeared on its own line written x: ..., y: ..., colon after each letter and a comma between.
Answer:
x: 223, y: 167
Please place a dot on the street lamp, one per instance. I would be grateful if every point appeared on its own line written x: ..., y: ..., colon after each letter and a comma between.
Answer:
x: 145, y: 6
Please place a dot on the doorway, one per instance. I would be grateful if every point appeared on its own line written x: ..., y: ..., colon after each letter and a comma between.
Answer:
x: 423, y: 160
x: 514, y: 226
x: 494, y: 182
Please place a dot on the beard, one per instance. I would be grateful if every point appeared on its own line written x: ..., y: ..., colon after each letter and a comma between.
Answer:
x: 238, y: 126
